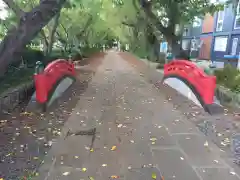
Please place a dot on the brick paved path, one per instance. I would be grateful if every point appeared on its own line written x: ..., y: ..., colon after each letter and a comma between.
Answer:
x: 150, y: 136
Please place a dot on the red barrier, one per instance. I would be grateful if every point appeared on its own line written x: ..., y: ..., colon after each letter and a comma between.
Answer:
x: 46, y: 80
x: 204, y: 84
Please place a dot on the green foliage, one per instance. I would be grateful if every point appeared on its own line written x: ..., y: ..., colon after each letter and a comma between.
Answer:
x: 229, y: 77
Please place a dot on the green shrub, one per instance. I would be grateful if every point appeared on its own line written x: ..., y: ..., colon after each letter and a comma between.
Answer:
x: 56, y: 54
x: 229, y: 77
x: 88, y: 51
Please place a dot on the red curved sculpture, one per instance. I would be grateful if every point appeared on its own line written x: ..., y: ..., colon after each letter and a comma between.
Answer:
x: 47, y: 80
x: 203, y: 84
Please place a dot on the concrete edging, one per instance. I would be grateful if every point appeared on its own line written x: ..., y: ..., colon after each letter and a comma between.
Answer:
x: 227, y: 97
x: 11, y: 98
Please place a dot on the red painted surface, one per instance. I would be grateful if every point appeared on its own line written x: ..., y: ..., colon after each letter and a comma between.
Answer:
x: 204, y: 84
x: 208, y: 24
x: 205, y: 50
x: 45, y: 81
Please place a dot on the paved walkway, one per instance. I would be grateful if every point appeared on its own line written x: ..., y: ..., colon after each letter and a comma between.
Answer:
x: 138, y: 135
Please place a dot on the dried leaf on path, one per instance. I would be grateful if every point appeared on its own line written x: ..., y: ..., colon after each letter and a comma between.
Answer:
x: 113, y: 148
x: 119, y: 126
x: 84, y: 169
x: 90, y: 178
x: 153, y: 139
x: 66, y: 173
x: 114, y: 177
x: 206, y: 144
x: 154, y: 176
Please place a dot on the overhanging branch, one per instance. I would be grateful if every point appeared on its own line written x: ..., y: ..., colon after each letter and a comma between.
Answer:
x: 158, y: 24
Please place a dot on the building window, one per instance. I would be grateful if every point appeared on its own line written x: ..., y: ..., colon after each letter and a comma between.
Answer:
x: 185, y: 31
x: 185, y: 44
x: 197, y: 22
x: 234, y: 46
x: 237, y: 18
x: 220, y: 43
x: 220, y: 19
x: 164, y: 47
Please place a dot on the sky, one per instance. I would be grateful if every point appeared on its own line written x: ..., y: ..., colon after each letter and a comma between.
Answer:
x: 3, y: 11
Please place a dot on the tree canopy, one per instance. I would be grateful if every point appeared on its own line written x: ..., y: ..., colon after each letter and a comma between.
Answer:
x: 74, y: 24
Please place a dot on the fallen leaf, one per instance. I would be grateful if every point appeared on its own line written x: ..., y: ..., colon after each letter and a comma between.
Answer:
x: 206, y: 144
x: 154, y: 176
x: 9, y: 154
x: 114, y: 177
x: 91, y: 150
x: 153, y: 139
x: 84, y: 169
x: 104, y: 165
x: 153, y: 142
x: 113, y: 148
x: 76, y: 157
x: 66, y: 173
x: 90, y: 178
x: 119, y: 126
x: 27, y: 113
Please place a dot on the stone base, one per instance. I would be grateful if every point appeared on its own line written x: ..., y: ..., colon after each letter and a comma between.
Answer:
x: 214, y: 109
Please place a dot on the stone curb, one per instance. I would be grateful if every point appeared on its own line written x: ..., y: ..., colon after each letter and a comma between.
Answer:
x: 227, y: 97
x: 12, y: 98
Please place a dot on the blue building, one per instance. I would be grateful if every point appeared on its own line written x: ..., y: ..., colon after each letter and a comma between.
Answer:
x: 197, y: 38
x: 226, y: 35
x: 191, y: 38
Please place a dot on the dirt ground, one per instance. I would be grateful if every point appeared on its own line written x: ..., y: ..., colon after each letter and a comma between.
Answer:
x: 26, y: 137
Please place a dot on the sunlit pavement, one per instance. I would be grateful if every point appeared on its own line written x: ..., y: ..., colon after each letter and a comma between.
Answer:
x: 138, y: 135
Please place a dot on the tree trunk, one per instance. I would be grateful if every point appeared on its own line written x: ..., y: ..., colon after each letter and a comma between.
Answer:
x: 176, y: 49
x: 30, y: 25
x: 45, y: 42
x: 52, y: 33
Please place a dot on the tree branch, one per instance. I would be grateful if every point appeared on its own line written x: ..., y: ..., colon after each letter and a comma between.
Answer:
x: 79, y: 35
x: 65, y: 30
x: 44, y: 37
x: 14, y: 7
x: 128, y: 24
x: 148, y: 11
